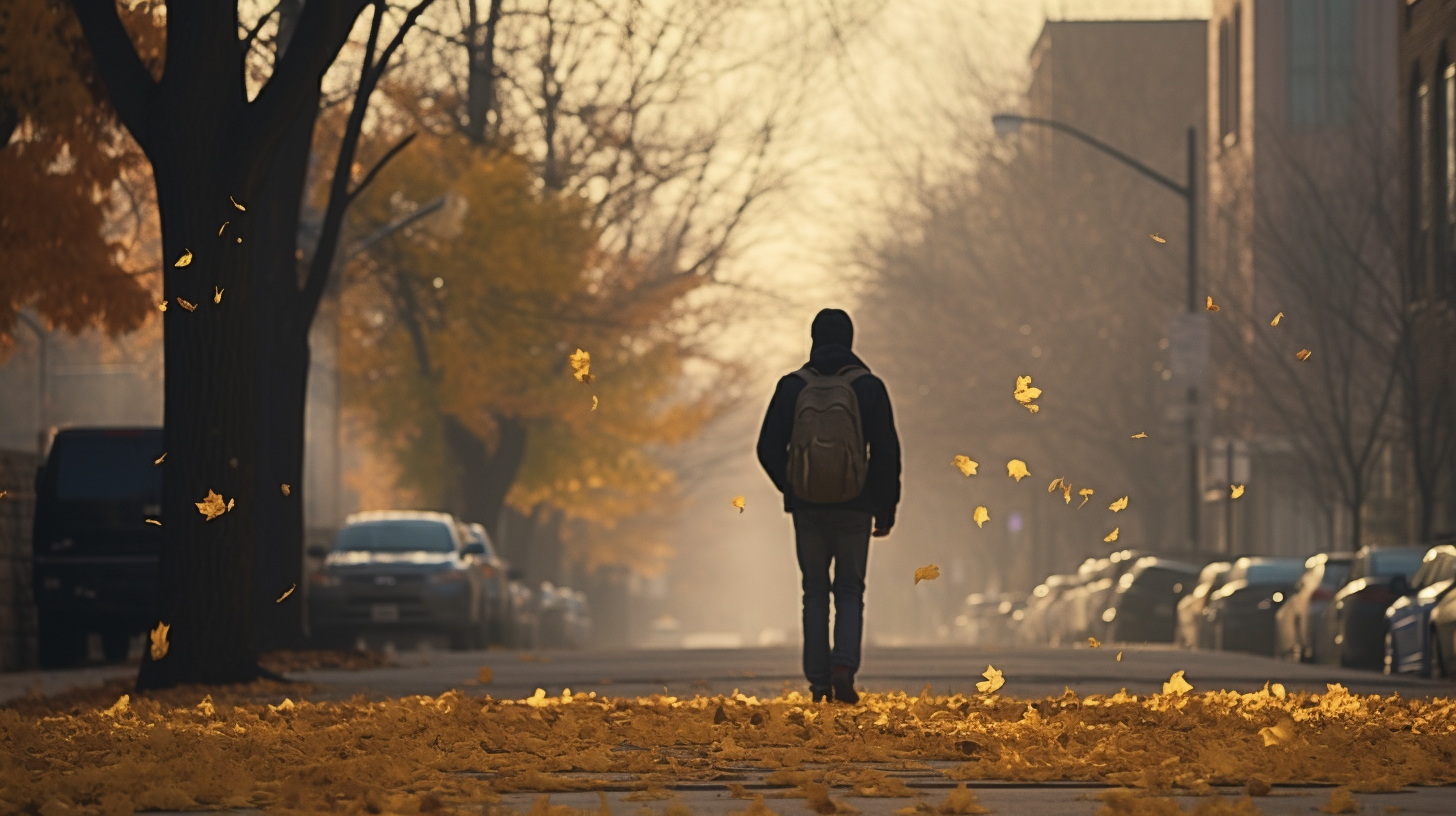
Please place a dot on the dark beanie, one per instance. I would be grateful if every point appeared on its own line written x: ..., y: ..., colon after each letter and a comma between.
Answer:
x: 832, y: 327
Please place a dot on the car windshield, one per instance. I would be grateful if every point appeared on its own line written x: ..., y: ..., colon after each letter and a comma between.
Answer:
x: 396, y: 535
x: 1158, y: 579
x: 1274, y: 572
x: 1395, y: 562
x: 114, y: 466
x: 1336, y: 573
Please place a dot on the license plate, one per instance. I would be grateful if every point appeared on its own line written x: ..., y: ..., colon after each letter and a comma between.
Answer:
x: 384, y: 613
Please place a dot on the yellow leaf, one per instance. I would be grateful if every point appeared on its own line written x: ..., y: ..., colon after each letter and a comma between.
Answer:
x: 162, y: 306
x: 159, y: 641
x: 1278, y: 690
x: 1139, y: 435
x: 927, y: 573
x: 981, y: 516
x: 1212, y: 307
x: 154, y: 521
x: 1086, y: 494
x: 1278, y: 733
x: 739, y: 502
x: 1276, y: 319
x: 485, y: 675
x: 185, y: 259
x: 286, y: 593
x: 160, y: 459
x: 1303, y: 354
x: 581, y: 366
x: 1119, y: 657
x: 223, y: 227
x: 1066, y: 493
x: 287, y: 490
x: 1016, y: 469
x: 967, y: 466
x: 212, y: 506
x: 1236, y: 491
x: 236, y: 204
x: 1094, y: 643
x: 230, y: 504
x: 1112, y: 536
x: 1024, y: 393
x: 185, y: 304
x: 1176, y: 684
x: 1120, y: 504
x: 594, y: 402
x: 1056, y: 483
x: 216, y: 295
x: 994, y: 680
x: 1160, y: 239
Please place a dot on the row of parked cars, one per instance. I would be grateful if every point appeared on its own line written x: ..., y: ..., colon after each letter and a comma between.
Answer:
x: 1389, y: 607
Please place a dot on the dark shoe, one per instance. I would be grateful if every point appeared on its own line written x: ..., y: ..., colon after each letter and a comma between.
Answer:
x: 819, y: 693
x: 842, y: 684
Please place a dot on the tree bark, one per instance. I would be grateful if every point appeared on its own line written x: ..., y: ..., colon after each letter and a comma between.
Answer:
x: 485, y: 473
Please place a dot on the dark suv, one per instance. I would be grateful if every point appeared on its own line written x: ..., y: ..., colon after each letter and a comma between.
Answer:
x: 95, y: 554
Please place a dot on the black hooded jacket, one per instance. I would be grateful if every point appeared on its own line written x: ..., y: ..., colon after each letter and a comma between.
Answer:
x: 881, y: 492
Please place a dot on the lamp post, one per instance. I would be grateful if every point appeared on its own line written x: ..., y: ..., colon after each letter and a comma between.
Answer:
x: 1007, y: 123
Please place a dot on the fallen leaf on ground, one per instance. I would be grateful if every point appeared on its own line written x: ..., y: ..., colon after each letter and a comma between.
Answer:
x: 1236, y: 491
x: 1119, y: 505
x: 1139, y: 435
x: 1176, y: 684
x: 1211, y: 306
x: 185, y: 259
x: 581, y: 366
x: 994, y: 680
x: 966, y: 465
x: 1278, y: 733
x: 961, y: 800
x: 740, y: 503
x: 188, y: 305
x: 160, y: 459
x: 1156, y: 237
x: 159, y: 641
x: 1094, y: 643
x: 927, y: 573
x: 1112, y: 536
x: 981, y: 516
x: 1340, y: 801
x: 485, y: 675
x: 1016, y: 469
x: 286, y: 593
x: 236, y: 204
x: 212, y: 506
x: 287, y: 490
x: 1276, y: 319
x: 1303, y: 354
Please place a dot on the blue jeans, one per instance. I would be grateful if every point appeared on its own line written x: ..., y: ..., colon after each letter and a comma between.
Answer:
x: 825, y: 535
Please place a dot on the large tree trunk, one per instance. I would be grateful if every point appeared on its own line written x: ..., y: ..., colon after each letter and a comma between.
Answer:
x: 485, y: 474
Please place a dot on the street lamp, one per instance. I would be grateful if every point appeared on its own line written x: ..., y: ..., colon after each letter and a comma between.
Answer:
x: 1008, y: 123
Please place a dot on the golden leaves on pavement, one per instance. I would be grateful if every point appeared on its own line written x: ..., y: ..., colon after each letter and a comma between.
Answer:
x: 740, y: 503
x: 1094, y: 643
x: 185, y: 259
x: 966, y: 464
x: 188, y: 305
x: 1086, y: 494
x: 159, y: 640
x: 485, y: 675
x: 1156, y: 237
x: 1303, y: 354
x: 1119, y: 505
x: 1276, y: 319
x: 154, y: 521
x: 1236, y: 491
x: 1112, y: 536
x: 236, y: 204
x: 1024, y: 393
x: 212, y: 506
x: 286, y: 489
x: 581, y: 366
x: 286, y: 593
x: 1211, y: 306
x: 216, y: 295
x: 1177, y: 685
x: 927, y: 573
x: 1139, y: 435
x: 994, y: 680
x: 1016, y: 469
x: 160, y: 459
x: 1279, y: 733
x: 981, y: 516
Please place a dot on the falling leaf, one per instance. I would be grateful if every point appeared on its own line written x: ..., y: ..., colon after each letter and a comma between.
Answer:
x: 286, y: 593
x: 1016, y: 469
x: 154, y: 521
x: 1303, y: 354
x: 160, y: 459
x: 1212, y: 307
x: 1139, y: 435
x: 216, y: 295
x: 223, y: 227
x: 1086, y: 494
x: 1112, y: 536
x: 1094, y: 643
x: 287, y: 490
x: 1119, y: 657
x: 162, y: 306
x: 186, y: 304
x: 236, y: 204
x: 927, y: 573
x: 1056, y: 483
x: 581, y: 366
x: 1278, y: 733
x: 967, y: 465
x: 485, y: 675
x: 981, y: 516
x: 240, y: 239
x: 230, y: 504
x: 994, y: 680
x: 4, y: 493
x: 1160, y: 239
x: 159, y: 641
x: 1276, y: 319
x: 185, y: 259
x: 212, y: 506
x: 1176, y: 684
x: 1236, y: 491
x: 1024, y: 393
x: 594, y: 402
x: 739, y: 502
x: 1066, y: 493
x: 1120, y: 504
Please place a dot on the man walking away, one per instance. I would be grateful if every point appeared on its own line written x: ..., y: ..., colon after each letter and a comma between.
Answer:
x: 829, y: 444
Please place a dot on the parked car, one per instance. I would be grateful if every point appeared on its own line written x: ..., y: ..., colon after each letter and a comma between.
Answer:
x: 1071, y: 612
x: 977, y: 619
x: 1034, y: 628
x: 1144, y: 607
x: 495, y: 580
x: 1009, y: 612
x: 1102, y: 588
x: 1190, y: 607
x: 1442, y: 637
x: 1355, y: 618
x: 1408, y: 618
x: 400, y: 571
x: 1300, y: 620
x: 94, y: 557
x: 525, y: 626
x: 1240, y: 613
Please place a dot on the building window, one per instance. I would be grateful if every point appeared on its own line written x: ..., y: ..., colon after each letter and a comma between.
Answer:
x: 1320, y: 61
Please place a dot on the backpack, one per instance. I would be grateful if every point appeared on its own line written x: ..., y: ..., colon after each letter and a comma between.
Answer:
x: 827, y: 457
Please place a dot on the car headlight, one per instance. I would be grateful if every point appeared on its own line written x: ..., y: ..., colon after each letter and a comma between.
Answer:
x: 447, y: 577
x: 323, y: 579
